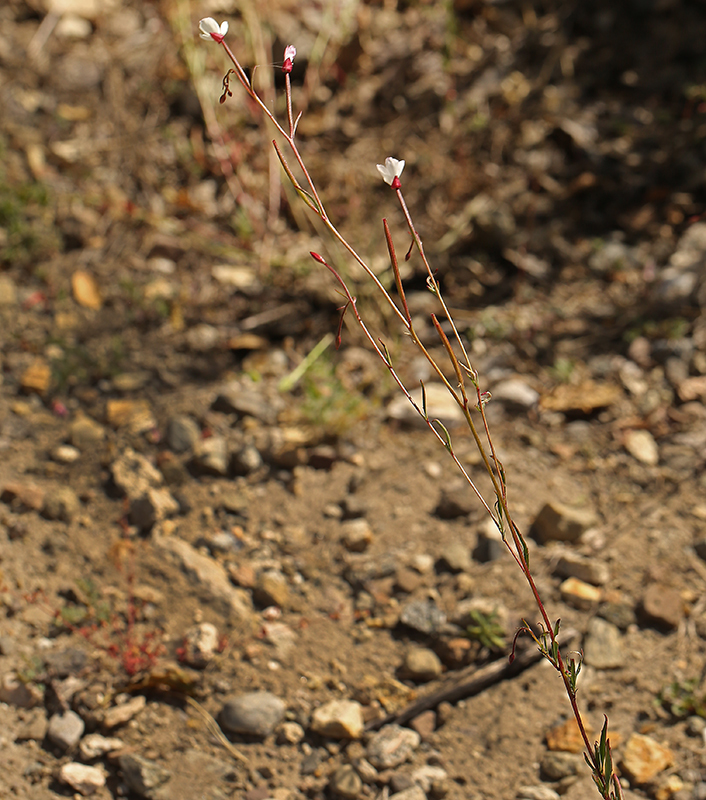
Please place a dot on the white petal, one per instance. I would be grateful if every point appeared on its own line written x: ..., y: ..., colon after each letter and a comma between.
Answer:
x: 392, y: 169
x: 224, y: 27
x: 290, y: 52
x: 207, y: 26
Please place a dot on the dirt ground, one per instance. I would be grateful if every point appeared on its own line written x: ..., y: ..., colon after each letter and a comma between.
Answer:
x: 203, y: 498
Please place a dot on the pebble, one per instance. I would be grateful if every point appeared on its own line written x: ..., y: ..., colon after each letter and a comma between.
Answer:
x: 421, y: 664
x: 211, y: 456
x: 85, y: 290
x: 272, y: 589
x: 644, y: 758
x: 345, y: 782
x: 81, y: 778
x: 66, y: 454
x: 200, y: 644
x: 18, y: 693
x: 391, y: 746
x: 642, y: 446
x: 237, y: 398
x: 566, y: 737
x: 456, y: 557
x: 8, y: 291
x: 290, y: 733
x: 555, y: 766
x: 120, y: 714
x: 134, y: 475
x: 94, y: 745
x: 412, y: 793
x: 489, y: 545
x: 424, y: 724
x: 440, y: 405
x: 580, y: 594
x: 143, y: 775
x: 338, y: 719
x: 557, y: 522
x: 662, y: 606
x: 34, y: 726
x: 65, y: 730
x: 357, y: 535
x: 182, y: 433
x: 423, y: 616
x: 603, y: 648
x: 622, y: 615
x: 134, y: 415
x: 253, y: 714
x: 209, y: 574
x: 537, y: 792
x: 61, y: 503
x: 428, y: 775
x: 23, y: 496
x: 202, y: 337
x: 85, y: 433
x: 245, y: 460
x: 454, y: 502
x: 588, y: 570
x: 36, y: 378
x: 515, y: 394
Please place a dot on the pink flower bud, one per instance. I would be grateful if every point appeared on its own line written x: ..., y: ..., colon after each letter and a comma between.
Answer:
x: 290, y: 53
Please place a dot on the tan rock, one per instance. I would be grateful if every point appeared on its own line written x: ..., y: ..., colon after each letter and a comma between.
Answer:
x: 85, y: 290
x: 644, y: 758
x: 338, y: 719
x: 580, y: 594
x: 567, y: 737
x: 37, y: 377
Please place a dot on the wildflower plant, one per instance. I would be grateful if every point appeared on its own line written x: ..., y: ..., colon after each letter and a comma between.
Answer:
x: 464, y: 386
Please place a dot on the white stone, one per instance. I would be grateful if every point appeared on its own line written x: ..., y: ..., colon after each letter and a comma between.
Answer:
x: 81, y: 778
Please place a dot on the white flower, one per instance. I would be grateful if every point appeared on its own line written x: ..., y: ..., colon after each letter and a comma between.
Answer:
x: 391, y: 169
x: 290, y: 52
x: 210, y: 29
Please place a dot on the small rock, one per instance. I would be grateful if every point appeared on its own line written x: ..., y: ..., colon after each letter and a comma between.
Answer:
x: 65, y: 454
x: 345, y: 782
x: 603, y: 647
x: 391, y: 746
x: 357, y: 535
x: 423, y: 563
x: 134, y: 475
x: 182, y: 433
x: 290, y: 733
x: 407, y: 580
x: 272, y: 589
x: 537, y: 792
x: 253, y: 714
x: 455, y: 501
x: 94, y: 746
x: 555, y: 766
x: 237, y: 398
x: 81, y: 778
x: 662, y: 606
x: 588, y: 570
x: 644, y: 758
x: 124, y: 712
x: 421, y: 664
x: 61, y: 503
x: 143, y: 775
x: 622, y: 615
x: 580, y: 594
x: 34, y: 726
x: 557, y: 522
x: 566, y: 737
x: 85, y: 290
x: 642, y: 446
x: 211, y: 456
x: 338, y: 719
x: 440, y: 405
x: 17, y: 693
x: 423, y: 616
x: 153, y: 506
x: 36, y: 378
x: 8, y: 291
x: 65, y: 730
x: 412, y: 793
x: 489, y: 546
x: 515, y: 394
x: 134, y: 415
x: 200, y: 644
x: 280, y: 636
x: 23, y: 496
x: 424, y: 724
x: 456, y: 557
x: 428, y: 775
x: 202, y: 337
x: 85, y: 433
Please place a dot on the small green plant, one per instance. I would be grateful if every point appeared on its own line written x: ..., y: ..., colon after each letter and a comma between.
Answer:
x: 563, y: 369
x: 486, y: 630
x: 683, y: 698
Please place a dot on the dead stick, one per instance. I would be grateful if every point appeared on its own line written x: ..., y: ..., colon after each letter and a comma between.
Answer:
x: 469, y: 682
